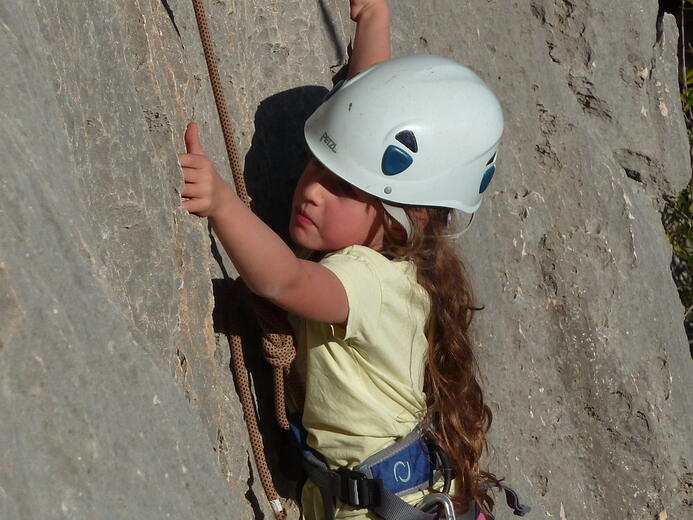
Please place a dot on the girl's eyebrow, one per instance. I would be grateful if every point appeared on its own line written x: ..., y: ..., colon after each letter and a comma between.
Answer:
x: 311, y: 157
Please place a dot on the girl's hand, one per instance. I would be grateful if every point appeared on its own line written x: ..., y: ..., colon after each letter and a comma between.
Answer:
x: 204, y: 191
x: 372, y: 39
x: 358, y: 7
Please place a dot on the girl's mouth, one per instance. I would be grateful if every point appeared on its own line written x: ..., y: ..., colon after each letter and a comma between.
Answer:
x: 303, y: 219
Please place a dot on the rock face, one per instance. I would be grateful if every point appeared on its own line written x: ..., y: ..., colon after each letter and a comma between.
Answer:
x: 116, y: 400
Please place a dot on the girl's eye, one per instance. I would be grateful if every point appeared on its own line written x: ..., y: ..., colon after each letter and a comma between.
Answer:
x: 334, y: 183
x: 340, y: 187
x: 344, y: 188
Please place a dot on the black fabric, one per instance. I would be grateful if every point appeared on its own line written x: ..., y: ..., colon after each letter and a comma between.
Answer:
x: 391, y: 507
x: 355, y: 489
x: 513, y: 501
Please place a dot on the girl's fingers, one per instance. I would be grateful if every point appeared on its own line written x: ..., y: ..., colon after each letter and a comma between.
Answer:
x: 195, y: 205
x: 191, y: 160
x: 191, y: 190
x: 192, y: 175
x: 195, y: 175
x: 192, y: 139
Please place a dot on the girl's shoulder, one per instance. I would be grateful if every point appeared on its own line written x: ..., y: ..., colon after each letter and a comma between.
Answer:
x: 356, y: 251
x: 365, y: 254
x: 366, y: 262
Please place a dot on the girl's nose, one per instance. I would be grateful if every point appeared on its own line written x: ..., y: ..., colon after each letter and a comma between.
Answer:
x: 312, y: 181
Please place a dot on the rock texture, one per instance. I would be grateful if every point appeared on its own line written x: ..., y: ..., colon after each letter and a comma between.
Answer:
x: 116, y: 400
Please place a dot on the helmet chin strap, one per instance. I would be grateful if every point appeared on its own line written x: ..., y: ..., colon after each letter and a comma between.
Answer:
x: 460, y: 233
x: 398, y: 213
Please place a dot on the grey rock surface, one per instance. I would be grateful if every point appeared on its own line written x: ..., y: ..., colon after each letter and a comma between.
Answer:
x: 116, y: 400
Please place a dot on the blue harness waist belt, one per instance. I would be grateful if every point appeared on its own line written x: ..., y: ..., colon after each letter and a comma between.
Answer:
x: 411, y: 464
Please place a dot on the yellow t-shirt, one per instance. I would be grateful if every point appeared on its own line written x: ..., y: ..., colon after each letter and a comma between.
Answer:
x: 363, y: 383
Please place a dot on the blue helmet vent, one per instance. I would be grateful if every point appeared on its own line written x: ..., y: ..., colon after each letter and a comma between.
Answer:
x: 408, y: 139
x: 395, y: 160
x: 488, y: 175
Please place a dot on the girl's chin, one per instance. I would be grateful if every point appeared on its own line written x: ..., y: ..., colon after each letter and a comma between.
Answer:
x: 304, y: 242
x: 298, y: 237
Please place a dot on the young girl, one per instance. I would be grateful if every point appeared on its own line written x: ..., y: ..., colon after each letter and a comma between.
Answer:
x: 384, y: 309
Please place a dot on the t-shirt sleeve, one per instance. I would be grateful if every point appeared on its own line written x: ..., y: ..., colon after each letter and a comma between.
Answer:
x: 364, y: 292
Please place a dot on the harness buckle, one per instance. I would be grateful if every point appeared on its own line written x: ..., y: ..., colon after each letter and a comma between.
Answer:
x: 357, y: 490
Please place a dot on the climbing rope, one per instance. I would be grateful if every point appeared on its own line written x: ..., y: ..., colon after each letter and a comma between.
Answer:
x: 277, y: 342
x: 224, y: 119
x: 279, y: 350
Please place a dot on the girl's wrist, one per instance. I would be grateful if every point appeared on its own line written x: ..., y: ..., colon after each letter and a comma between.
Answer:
x: 226, y: 198
x: 378, y: 10
x: 372, y: 38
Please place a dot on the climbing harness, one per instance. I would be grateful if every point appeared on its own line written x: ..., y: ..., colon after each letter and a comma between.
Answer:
x: 414, y: 463
x: 277, y: 341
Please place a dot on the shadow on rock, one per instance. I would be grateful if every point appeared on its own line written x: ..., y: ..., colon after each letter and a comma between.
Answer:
x: 276, y: 158
x: 282, y: 457
x: 278, y: 153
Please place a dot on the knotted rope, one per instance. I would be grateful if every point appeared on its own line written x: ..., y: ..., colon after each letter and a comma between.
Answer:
x: 278, y: 349
x: 277, y: 341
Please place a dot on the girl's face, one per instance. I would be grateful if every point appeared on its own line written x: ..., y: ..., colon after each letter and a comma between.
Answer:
x: 328, y: 213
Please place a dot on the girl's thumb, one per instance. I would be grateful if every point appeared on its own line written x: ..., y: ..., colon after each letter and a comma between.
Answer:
x: 192, y: 140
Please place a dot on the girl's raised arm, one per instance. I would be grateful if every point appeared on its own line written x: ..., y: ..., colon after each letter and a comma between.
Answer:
x: 372, y: 40
x: 269, y: 268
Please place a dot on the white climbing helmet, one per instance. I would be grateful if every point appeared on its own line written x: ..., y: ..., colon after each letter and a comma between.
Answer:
x: 419, y: 130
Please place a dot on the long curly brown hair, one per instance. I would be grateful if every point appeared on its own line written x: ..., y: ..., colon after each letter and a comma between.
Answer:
x: 456, y: 407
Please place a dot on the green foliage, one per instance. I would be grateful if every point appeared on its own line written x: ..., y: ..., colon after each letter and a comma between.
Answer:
x: 678, y: 215
x: 678, y: 223
x: 687, y: 93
